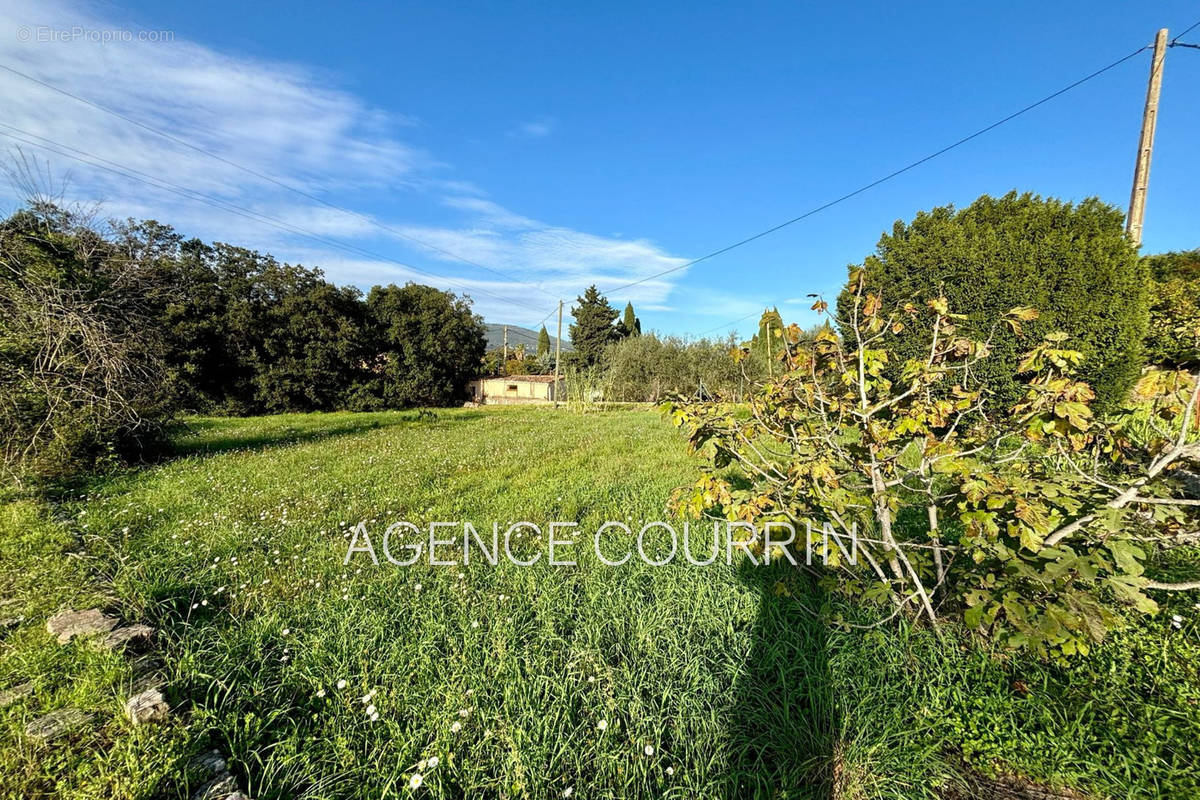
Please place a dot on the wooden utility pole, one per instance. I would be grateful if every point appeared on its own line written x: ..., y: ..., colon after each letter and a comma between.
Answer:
x: 1141, y: 171
x: 557, y: 353
x: 505, y: 361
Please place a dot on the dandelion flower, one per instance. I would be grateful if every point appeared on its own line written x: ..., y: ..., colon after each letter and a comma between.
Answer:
x: 286, y: 631
x: 649, y: 750
x: 375, y: 717
x: 370, y: 709
x: 1176, y: 618
x: 320, y: 692
x: 670, y: 770
x: 341, y: 684
x: 456, y: 727
x: 415, y: 781
x: 602, y: 725
x: 567, y: 792
x: 434, y: 761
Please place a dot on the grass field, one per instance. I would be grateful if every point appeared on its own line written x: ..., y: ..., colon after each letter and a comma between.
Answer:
x: 321, y: 680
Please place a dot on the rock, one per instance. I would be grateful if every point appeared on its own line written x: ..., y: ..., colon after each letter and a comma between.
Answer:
x: 147, y: 706
x: 1191, y: 484
x: 10, y: 696
x: 66, y: 625
x: 146, y: 683
x: 146, y: 664
x: 210, y: 764
x: 124, y: 636
x: 222, y: 787
x: 57, y: 723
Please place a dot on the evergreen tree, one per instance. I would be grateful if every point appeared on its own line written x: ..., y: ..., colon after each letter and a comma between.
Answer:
x: 629, y: 325
x: 543, y: 347
x: 593, y: 329
x: 767, y: 344
x: 1071, y: 262
x: 1173, y: 337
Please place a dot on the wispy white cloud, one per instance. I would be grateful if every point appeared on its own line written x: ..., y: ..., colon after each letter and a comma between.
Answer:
x: 535, y: 129
x: 297, y: 126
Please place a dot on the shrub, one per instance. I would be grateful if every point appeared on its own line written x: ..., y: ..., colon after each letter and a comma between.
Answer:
x: 1032, y: 523
x: 648, y: 368
x: 1173, y: 336
x: 81, y: 379
x: 1072, y: 262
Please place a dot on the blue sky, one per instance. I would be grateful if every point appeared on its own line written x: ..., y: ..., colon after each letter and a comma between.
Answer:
x: 566, y: 144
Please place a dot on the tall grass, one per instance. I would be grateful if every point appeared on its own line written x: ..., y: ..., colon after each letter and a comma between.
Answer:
x: 324, y: 680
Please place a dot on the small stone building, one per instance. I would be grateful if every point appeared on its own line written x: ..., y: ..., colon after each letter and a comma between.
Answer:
x: 516, y: 389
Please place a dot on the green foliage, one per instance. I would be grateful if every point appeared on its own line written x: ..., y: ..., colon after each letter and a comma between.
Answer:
x: 593, y: 328
x: 146, y: 322
x: 766, y: 348
x: 1173, y: 336
x: 650, y: 368
x: 81, y: 379
x: 629, y: 325
x: 543, y: 344
x: 429, y: 344
x: 1027, y: 522
x: 1072, y: 262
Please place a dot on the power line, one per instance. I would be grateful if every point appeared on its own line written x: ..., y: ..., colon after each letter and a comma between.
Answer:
x: 728, y: 324
x: 884, y: 179
x: 131, y: 173
x: 1186, y: 31
x: 370, y: 220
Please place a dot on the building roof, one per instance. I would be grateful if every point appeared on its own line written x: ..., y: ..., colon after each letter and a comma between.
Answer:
x: 523, y: 378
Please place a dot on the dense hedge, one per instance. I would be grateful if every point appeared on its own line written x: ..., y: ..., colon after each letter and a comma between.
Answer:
x: 1173, y: 339
x: 1072, y: 262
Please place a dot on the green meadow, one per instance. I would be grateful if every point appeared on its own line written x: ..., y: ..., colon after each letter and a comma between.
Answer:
x: 319, y: 679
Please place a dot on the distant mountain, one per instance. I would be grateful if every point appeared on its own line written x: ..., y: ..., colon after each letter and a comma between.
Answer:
x: 518, y: 335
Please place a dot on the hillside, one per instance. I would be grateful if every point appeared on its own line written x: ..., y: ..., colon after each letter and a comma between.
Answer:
x: 518, y: 335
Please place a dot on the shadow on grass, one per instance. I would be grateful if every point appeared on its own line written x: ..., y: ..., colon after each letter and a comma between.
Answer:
x: 781, y: 729
x: 218, y: 435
